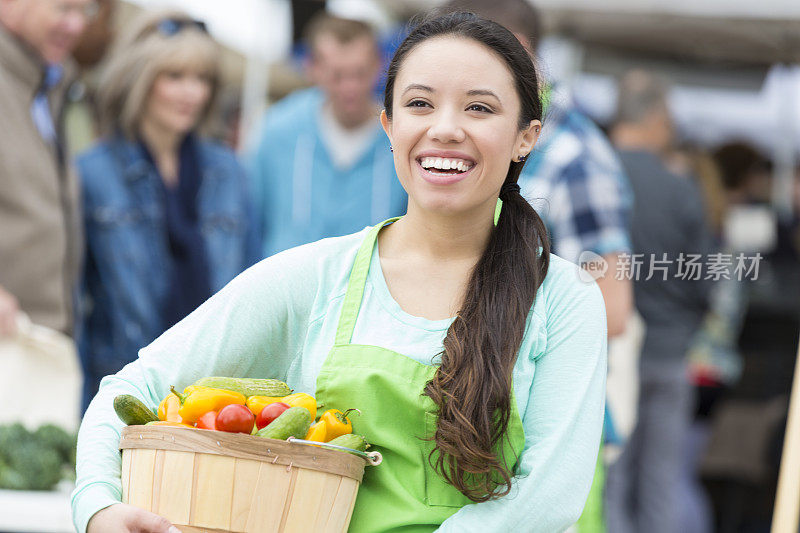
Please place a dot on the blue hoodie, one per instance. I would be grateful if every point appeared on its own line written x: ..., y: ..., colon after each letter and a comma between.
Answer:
x: 299, y: 194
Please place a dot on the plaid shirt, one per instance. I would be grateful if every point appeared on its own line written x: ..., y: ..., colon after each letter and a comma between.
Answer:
x: 577, y: 185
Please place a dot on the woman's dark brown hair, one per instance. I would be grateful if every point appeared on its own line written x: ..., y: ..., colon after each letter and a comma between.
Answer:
x: 472, y: 387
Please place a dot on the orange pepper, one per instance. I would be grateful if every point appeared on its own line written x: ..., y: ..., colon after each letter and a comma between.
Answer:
x: 301, y: 399
x: 337, y: 422
x: 257, y: 403
x: 168, y: 409
x: 318, y: 432
x: 169, y: 423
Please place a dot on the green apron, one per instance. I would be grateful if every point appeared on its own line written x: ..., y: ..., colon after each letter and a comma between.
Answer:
x: 404, y: 493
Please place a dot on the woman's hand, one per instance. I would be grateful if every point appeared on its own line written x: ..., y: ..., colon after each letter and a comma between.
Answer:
x: 124, y: 518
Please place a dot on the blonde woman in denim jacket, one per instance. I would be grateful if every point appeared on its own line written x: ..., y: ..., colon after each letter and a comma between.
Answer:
x: 167, y: 216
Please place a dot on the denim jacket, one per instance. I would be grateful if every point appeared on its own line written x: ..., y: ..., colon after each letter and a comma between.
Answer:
x: 126, y: 269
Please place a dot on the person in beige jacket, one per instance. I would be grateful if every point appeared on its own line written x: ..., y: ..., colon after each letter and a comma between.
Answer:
x: 40, y: 243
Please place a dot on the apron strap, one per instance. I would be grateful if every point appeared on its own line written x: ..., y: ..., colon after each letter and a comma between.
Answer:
x: 355, y: 285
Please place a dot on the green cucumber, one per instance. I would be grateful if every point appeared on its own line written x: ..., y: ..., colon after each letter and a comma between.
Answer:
x: 294, y: 421
x: 132, y: 411
x: 352, y: 441
x: 247, y: 386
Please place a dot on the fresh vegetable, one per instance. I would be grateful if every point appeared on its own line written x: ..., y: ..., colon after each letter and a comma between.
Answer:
x: 169, y: 407
x: 35, y: 460
x: 11, y: 478
x: 235, y: 419
x: 207, y: 421
x: 200, y: 400
x: 12, y: 435
x: 351, y: 440
x: 247, y: 386
x: 169, y: 423
x: 39, y: 466
x: 318, y: 432
x: 337, y: 422
x: 270, y: 413
x: 52, y: 436
x: 132, y: 411
x: 295, y: 421
x: 257, y: 403
x: 301, y: 399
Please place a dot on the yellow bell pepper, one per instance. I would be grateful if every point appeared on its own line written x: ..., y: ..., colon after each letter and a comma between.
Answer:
x: 318, y: 432
x: 191, y: 388
x: 168, y: 409
x: 257, y: 403
x: 200, y: 400
x: 337, y: 422
x: 301, y: 399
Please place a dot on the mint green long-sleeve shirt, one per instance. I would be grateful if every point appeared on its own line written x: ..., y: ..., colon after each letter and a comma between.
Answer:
x: 278, y: 319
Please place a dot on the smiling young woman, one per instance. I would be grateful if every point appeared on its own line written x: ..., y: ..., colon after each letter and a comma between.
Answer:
x: 439, y: 115
x: 476, y: 358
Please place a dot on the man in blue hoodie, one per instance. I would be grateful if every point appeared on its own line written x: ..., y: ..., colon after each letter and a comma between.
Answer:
x: 322, y: 166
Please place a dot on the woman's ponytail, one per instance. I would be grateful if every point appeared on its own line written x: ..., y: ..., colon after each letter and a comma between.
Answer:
x: 472, y: 387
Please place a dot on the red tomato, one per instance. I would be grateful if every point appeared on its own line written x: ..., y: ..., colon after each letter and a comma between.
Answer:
x: 270, y: 413
x: 235, y: 418
x: 207, y: 421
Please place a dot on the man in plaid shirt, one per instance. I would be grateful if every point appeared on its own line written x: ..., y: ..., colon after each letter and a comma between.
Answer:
x: 576, y: 184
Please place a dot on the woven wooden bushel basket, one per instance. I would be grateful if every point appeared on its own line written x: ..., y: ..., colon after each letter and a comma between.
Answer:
x: 216, y: 482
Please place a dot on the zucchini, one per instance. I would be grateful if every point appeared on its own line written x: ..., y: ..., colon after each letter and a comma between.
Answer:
x: 247, y: 386
x: 133, y: 411
x: 352, y: 441
x: 294, y: 421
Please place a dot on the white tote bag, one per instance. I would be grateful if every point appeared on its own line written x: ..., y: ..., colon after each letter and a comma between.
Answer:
x: 40, y: 378
x: 622, y: 384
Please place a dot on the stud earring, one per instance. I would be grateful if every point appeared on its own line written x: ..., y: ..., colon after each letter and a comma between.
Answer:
x: 522, y: 158
x: 391, y: 148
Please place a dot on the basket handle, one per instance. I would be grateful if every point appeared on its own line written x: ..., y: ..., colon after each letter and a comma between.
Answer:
x: 372, y: 458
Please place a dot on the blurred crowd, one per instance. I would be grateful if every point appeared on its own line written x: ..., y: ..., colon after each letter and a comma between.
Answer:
x: 121, y: 214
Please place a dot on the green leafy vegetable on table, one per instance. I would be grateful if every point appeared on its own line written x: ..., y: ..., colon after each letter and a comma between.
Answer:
x: 35, y: 460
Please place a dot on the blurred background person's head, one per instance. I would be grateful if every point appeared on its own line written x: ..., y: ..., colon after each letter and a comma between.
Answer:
x: 344, y: 61
x: 518, y: 16
x: 745, y: 173
x: 161, y: 78
x: 96, y: 38
x: 51, y: 28
x: 642, y: 120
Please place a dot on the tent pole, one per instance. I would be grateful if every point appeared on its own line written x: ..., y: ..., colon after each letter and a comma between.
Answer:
x: 787, y: 501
